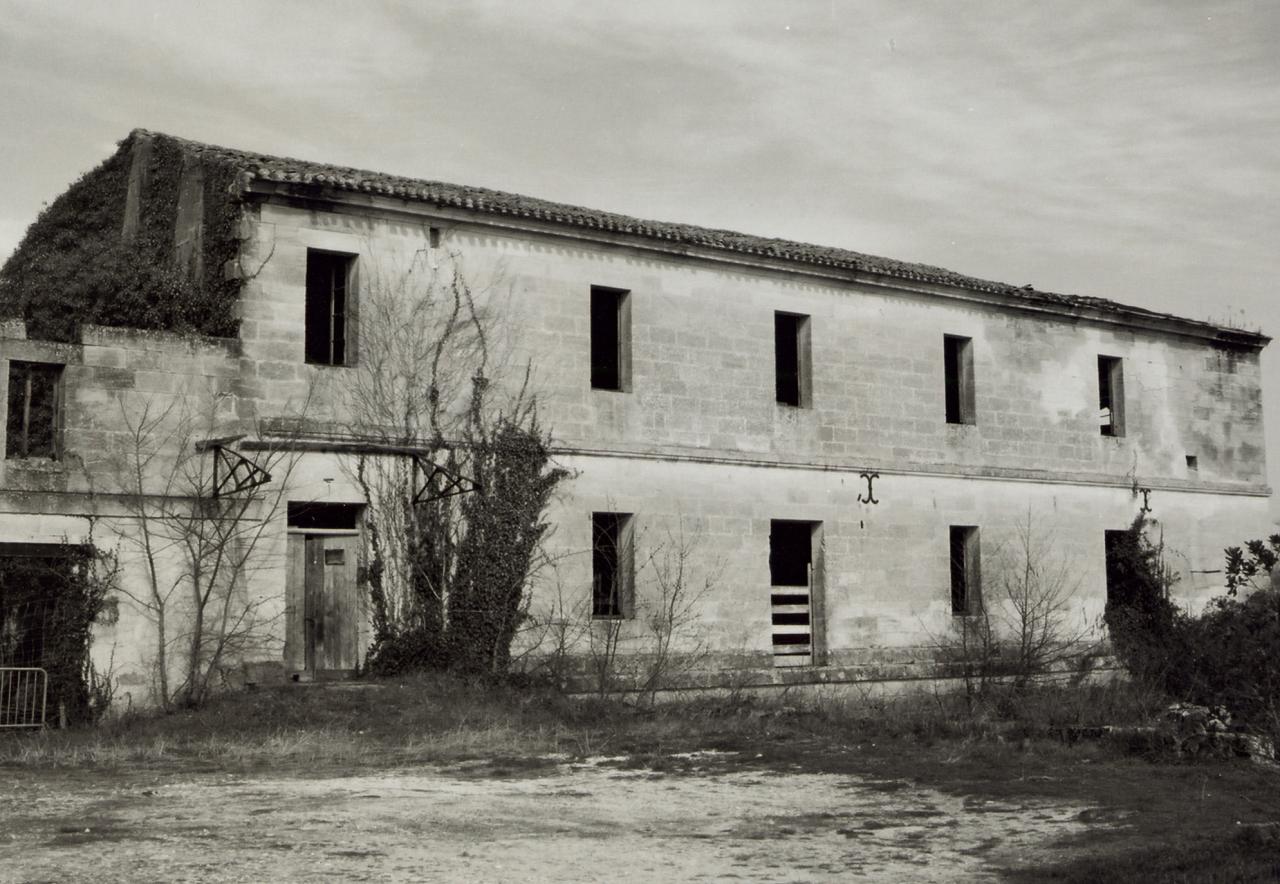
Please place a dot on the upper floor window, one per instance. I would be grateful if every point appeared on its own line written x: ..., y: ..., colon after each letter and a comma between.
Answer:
x: 329, y: 296
x: 957, y: 357
x: 35, y: 392
x: 610, y: 339
x: 791, y: 359
x: 1111, y: 395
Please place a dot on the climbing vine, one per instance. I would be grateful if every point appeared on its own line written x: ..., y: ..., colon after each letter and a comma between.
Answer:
x: 74, y: 266
x: 49, y: 601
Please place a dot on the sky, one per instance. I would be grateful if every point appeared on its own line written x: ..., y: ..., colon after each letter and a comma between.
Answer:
x: 1122, y: 150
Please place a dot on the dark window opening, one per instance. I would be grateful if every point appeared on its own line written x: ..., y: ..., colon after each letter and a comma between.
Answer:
x: 957, y: 355
x: 1111, y: 395
x: 34, y: 410
x: 790, y: 553
x: 966, y: 588
x: 324, y: 516
x: 610, y: 338
x: 328, y: 307
x: 1122, y: 552
x: 34, y: 579
x: 791, y: 358
x: 1193, y: 463
x: 433, y: 237
x: 611, y: 565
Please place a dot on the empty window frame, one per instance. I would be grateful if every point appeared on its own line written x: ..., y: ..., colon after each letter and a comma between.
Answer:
x: 790, y: 552
x: 34, y: 419
x: 957, y: 359
x: 329, y: 307
x: 610, y: 339
x: 612, y: 566
x: 966, y: 570
x: 791, y: 357
x: 1122, y: 555
x: 1111, y: 395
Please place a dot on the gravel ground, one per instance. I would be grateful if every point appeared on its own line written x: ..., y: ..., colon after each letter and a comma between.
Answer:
x: 552, y: 821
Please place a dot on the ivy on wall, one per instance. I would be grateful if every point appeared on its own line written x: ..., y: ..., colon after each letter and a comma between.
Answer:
x: 74, y: 265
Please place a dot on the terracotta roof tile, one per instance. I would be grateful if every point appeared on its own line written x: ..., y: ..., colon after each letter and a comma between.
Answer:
x: 292, y: 171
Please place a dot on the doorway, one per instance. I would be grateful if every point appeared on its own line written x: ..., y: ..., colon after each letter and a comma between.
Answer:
x: 323, y: 610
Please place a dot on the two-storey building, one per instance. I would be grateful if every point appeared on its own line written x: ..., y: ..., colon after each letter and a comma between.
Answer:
x: 852, y: 446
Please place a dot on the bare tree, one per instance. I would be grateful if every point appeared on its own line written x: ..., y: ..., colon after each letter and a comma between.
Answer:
x: 1028, y: 620
x: 672, y: 612
x: 456, y: 471
x: 665, y: 639
x: 1044, y: 624
x: 199, y: 544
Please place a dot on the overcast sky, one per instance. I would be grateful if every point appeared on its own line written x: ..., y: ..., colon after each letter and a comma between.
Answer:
x: 1128, y: 150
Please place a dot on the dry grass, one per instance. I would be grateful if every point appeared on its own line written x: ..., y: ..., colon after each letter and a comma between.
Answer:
x: 1181, y: 819
x: 435, y: 718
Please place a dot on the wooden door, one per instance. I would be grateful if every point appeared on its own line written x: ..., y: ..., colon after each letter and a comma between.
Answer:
x: 324, y: 623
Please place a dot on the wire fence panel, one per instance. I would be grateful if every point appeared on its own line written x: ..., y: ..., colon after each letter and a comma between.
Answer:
x: 24, y: 693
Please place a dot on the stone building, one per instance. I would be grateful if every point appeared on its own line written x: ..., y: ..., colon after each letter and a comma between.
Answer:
x: 851, y: 445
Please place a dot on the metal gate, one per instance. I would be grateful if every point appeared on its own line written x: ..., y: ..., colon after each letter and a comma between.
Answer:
x: 23, y: 693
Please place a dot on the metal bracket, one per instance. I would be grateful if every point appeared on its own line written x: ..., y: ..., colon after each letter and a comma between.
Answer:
x: 871, y: 495
x: 233, y: 472
x: 1146, y: 500
x: 439, y: 483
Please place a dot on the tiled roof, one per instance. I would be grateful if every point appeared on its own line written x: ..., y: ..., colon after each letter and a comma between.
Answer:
x: 284, y: 170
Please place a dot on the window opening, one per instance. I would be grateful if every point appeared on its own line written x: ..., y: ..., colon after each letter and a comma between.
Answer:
x: 1120, y: 555
x: 611, y: 565
x: 1111, y: 395
x: 610, y: 339
x: 324, y: 516
x: 792, y: 591
x: 34, y: 410
x: 966, y: 586
x: 791, y: 359
x: 327, y: 308
x: 958, y: 366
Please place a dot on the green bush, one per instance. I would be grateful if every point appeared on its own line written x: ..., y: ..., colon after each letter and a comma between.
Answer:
x: 1234, y: 657
x: 1148, y: 631
x: 1228, y: 655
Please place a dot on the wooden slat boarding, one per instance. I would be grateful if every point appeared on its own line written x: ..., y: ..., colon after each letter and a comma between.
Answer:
x: 792, y: 641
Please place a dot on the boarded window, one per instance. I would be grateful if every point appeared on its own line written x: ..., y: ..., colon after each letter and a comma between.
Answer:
x: 329, y: 276
x: 794, y: 592
x: 610, y: 339
x: 612, y: 565
x: 966, y: 573
x: 957, y: 357
x: 791, y: 359
x: 1111, y: 395
x: 34, y: 410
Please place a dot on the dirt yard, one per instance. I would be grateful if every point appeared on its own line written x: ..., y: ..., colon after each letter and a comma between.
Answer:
x: 709, y: 817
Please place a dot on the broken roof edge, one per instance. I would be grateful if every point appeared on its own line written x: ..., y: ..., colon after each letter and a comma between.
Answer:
x: 317, y: 176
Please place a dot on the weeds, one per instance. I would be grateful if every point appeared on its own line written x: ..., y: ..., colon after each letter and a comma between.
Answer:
x: 440, y: 719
